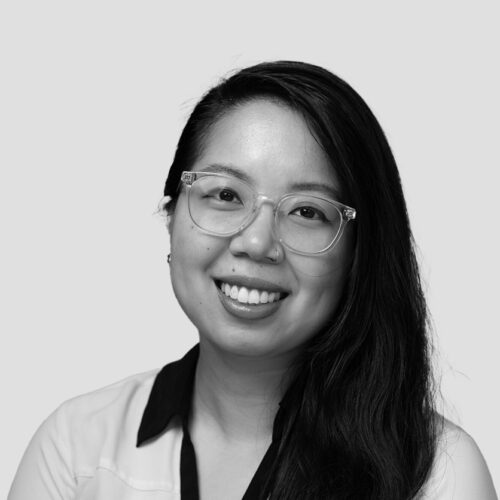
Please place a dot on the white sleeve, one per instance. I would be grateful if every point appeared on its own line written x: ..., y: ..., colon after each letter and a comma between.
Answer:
x: 45, y: 471
x: 460, y: 471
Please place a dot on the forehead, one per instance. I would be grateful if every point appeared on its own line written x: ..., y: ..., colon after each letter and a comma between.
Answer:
x: 270, y: 145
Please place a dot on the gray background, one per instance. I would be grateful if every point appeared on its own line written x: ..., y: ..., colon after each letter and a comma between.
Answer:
x: 93, y: 96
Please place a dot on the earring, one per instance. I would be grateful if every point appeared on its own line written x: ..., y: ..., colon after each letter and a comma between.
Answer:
x: 169, y: 258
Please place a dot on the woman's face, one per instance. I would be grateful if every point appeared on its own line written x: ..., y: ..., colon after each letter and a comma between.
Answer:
x: 270, y: 145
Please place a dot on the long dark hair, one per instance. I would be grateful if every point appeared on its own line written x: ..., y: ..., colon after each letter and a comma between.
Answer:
x: 359, y: 420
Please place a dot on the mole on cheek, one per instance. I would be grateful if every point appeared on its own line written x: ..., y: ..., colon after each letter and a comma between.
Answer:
x: 208, y: 249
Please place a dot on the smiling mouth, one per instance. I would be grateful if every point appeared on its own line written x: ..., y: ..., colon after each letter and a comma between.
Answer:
x: 249, y: 296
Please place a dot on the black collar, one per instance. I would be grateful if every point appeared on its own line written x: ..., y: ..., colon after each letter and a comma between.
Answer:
x: 170, y: 396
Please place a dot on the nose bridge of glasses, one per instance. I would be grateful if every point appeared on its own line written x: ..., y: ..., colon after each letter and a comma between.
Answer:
x: 262, y: 199
x: 259, y: 201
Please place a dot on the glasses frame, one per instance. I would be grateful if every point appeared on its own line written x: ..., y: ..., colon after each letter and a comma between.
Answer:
x: 188, y: 178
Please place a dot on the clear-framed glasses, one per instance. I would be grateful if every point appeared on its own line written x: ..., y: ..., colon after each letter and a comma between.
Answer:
x: 223, y: 205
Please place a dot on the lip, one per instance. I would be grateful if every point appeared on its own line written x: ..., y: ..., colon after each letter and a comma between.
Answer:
x: 247, y: 311
x: 247, y: 282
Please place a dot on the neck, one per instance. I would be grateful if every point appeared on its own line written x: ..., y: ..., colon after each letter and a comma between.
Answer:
x: 238, y: 396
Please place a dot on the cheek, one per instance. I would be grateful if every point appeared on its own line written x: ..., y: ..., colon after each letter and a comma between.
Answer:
x: 324, y: 272
x: 319, y: 298
x: 193, y: 253
x: 192, y: 256
x: 322, y: 280
x: 184, y: 236
x: 323, y: 292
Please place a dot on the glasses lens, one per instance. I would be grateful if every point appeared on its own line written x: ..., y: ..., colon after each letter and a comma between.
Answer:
x: 308, y: 224
x: 220, y: 204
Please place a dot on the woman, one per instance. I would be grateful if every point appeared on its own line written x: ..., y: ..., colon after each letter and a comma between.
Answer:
x: 292, y: 255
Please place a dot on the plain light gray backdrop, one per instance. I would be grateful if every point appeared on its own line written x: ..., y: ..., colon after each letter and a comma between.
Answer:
x: 93, y: 98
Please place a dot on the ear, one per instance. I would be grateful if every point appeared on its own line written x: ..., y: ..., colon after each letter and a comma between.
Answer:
x: 166, y: 210
x: 170, y: 220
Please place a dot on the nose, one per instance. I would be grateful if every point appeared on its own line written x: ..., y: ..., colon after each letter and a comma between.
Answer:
x: 258, y: 240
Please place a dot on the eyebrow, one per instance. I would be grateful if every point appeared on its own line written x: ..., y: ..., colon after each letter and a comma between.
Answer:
x: 296, y: 186
x: 226, y: 169
x: 316, y: 186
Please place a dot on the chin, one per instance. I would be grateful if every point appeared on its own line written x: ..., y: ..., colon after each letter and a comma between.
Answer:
x: 247, y: 343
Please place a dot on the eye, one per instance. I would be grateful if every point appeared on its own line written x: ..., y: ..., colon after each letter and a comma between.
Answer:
x: 309, y: 213
x: 227, y: 195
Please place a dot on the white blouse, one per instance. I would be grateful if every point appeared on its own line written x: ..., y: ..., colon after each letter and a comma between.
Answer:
x: 86, y: 450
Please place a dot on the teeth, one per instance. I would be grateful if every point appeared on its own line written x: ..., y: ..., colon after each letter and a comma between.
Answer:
x: 246, y: 296
x: 243, y: 295
x: 254, y: 297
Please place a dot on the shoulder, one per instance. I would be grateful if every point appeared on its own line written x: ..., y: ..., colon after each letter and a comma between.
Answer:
x: 127, y: 395
x: 105, y: 416
x: 92, y: 425
x: 460, y: 471
x: 81, y: 434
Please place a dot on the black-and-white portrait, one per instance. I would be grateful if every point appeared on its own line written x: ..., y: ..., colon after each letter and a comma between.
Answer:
x: 249, y: 251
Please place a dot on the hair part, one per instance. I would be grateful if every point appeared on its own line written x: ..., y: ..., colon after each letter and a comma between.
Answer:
x: 359, y: 419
